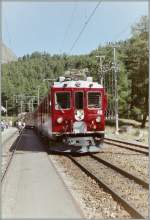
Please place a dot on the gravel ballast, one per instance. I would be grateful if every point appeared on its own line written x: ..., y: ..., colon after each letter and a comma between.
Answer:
x: 133, y: 162
x: 95, y: 202
x: 128, y: 189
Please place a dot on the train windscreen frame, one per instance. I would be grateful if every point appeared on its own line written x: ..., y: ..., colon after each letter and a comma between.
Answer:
x: 94, y: 100
x: 62, y: 100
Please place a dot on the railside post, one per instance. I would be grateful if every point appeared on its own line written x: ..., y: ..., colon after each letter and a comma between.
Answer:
x: 116, y: 93
x: 38, y: 96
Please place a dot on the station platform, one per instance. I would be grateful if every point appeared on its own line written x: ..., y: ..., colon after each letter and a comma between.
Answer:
x: 32, y: 188
x: 7, y: 133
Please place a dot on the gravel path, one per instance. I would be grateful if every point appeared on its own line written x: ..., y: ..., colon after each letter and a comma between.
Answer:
x: 95, y: 202
x: 135, y: 163
x: 128, y: 189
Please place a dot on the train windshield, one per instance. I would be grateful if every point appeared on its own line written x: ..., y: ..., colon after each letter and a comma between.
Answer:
x: 62, y: 100
x: 79, y: 100
x: 94, y: 100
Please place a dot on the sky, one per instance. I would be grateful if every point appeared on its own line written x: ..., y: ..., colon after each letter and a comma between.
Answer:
x: 53, y: 27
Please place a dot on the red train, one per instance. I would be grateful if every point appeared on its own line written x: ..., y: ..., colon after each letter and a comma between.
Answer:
x: 73, y: 113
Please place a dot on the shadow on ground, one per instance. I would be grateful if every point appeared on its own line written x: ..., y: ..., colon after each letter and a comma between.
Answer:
x: 28, y: 141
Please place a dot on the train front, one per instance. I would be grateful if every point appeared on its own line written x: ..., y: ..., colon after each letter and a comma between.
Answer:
x: 78, y: 115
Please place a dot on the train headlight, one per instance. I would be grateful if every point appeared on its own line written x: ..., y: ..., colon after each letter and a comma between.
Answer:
x: 94, y: 127
x: 66, y: 122
x: 98, y: 119
x: 59, y: 120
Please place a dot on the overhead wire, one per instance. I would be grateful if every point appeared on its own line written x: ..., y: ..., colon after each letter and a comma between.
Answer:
x: 84, y: 26
x: 69, y: 24
x: 125, y: 29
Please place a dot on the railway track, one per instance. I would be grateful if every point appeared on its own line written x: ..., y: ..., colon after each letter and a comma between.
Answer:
x: 14, y: 147
x: 128, y: 145
x: 121, y: 171
x: 113, y: 190
x: 133, y: 210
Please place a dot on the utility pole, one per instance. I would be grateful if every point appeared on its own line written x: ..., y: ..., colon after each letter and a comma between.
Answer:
x: 116, y: 92
x: 6, y: 110
x: 38, y: 95
x: 21, y: 106
x: 32, y: 104
x: 29, y: 105
x: 25, y: 100
x: 101, y: 67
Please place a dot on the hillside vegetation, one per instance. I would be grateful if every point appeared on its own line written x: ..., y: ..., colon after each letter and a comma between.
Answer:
x: 25, y: 75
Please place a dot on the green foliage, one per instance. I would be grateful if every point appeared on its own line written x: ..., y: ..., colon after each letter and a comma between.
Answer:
x: 136, y: 64
x: 24, y: 76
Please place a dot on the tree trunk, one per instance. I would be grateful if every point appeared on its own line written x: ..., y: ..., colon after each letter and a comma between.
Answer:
x: 146, y: 108
x: 144, y: 119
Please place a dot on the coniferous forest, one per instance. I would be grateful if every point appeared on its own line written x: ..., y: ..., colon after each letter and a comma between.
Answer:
x: 25, y: 75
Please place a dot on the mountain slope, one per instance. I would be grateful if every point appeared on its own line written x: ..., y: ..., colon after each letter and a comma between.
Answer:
x: 7, y: 54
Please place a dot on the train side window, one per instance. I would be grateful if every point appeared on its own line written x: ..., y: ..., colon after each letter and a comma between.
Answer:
x: 79, y: 100
x: 94, y: 100
x: 62, y: 100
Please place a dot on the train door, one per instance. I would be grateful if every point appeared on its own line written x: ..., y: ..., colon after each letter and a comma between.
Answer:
x: 79, y: 125
x: 79, y: 100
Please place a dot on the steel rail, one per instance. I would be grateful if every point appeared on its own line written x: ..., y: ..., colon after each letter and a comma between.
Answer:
x: 12, y: 154
x: 127, y: 206
x: 129, y: 148
x: 127, y: 143
x: 121, y: 171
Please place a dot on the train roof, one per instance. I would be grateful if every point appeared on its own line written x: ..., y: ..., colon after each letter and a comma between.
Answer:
x: 77, y: 83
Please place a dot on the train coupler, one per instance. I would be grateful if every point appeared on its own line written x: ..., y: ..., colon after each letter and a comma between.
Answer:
x: 82, y: 144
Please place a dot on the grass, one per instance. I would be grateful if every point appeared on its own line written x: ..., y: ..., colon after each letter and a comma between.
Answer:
x: 132, y: 133
x: 123, y: 121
